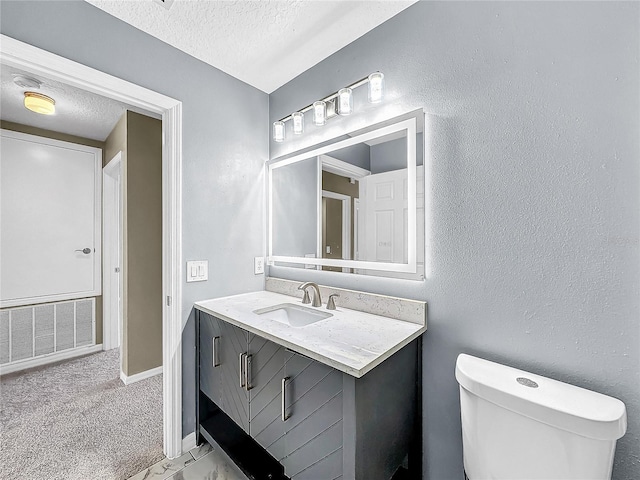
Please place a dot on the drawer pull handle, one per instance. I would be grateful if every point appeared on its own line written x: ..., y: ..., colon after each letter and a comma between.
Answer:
x: 214, y: 347
x: 247, y: 371
x: 285, y: 415
x: 241, y: 368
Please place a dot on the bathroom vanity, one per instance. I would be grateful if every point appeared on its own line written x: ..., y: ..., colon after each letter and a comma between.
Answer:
x: 290, y: 394
x: 295, y: 391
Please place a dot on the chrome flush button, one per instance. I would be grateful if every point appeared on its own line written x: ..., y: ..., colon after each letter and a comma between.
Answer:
x: 527, y: 382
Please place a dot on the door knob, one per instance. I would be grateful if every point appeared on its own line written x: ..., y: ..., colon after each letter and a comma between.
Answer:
x: 86, y: 251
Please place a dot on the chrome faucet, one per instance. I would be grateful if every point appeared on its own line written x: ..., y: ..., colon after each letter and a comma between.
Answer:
x: 317, y: 300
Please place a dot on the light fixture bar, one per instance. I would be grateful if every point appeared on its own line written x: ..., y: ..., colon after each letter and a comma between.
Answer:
x: 309, y: 107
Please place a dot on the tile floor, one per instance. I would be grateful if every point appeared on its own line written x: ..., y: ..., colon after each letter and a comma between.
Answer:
x: 201, y: 463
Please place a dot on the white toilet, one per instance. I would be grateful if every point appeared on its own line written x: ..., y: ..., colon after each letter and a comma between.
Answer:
x: 521, y: 426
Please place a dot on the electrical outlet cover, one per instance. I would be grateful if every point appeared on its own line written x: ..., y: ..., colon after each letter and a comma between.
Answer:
x: 258, y: 265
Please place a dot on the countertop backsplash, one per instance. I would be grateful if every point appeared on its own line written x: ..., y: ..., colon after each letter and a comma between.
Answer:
x: 413, y: 311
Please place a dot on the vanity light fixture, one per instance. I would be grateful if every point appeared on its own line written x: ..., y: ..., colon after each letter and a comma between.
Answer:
x: 338, y: 103
x: 36, y: 102
x: 319, y: 113
x: 345, y: 101
x: 298, y: 122
x: 376, y: 87
x: 278, y: 131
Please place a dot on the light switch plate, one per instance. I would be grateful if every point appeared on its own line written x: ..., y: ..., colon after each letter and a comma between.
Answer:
x: 197, y: 271
x: 258, y: 265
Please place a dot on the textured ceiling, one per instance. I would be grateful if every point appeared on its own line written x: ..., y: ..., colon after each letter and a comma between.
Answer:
x: 78, y: 112
x: 264, y: 43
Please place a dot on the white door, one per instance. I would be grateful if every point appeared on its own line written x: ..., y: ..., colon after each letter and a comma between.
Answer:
x: 382, y: 220
x: 49, y: 220
x: 112, y: 260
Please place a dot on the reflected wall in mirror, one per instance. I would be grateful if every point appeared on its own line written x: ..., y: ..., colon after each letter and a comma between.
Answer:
x: 355, y: 205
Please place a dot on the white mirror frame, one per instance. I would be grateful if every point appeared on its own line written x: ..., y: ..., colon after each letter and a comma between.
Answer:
x: 410, y: 267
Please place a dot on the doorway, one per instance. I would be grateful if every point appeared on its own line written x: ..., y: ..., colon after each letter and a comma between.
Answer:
x: 336, y: 228
x: 21, y: 55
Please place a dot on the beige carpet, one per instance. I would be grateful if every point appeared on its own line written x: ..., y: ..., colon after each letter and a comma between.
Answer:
x: 77, y: 421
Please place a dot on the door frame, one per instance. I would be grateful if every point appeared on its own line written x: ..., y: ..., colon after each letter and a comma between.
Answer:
x: 346, y: 222
x: 112, y: 202
x: 27, y: 57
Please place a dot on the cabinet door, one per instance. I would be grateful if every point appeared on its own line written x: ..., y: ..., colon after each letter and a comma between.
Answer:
x: 313, y: 431
x: 210, y: 359
x: 265, y: 401
x: 235, y: 397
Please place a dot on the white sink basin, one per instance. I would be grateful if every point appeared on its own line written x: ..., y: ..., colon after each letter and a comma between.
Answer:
x: 293, y: 315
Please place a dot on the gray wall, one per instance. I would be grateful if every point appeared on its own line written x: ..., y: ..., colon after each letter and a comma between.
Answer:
x: 225, y: 143
x: 534, y: 188
x: 295, y: 208
x: 357, y: 155
x: 390, y: 156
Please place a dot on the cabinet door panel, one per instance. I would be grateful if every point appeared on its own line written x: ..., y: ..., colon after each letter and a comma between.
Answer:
x: 305, y: 426
x: 314, y: 430
x: 210, y: 375
x: 321, y: 457
x: 265, y: 423
x: 235, y: 398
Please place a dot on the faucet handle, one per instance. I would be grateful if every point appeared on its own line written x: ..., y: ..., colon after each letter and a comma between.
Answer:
x: 331, y: 303
x: 305, y: 297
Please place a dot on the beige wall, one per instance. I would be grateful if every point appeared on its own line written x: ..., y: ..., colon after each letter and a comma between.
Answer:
x: 144, y: 243
x: 116, y: 141
x: 140, y: 140
x: 17, y: 127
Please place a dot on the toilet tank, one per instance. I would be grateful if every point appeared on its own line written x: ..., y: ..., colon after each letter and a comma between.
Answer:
x: 520, y: 426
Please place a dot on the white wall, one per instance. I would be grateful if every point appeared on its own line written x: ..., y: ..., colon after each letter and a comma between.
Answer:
x: 535, y: 192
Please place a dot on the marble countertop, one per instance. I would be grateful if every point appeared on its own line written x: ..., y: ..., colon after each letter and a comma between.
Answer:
x: 351, y: 341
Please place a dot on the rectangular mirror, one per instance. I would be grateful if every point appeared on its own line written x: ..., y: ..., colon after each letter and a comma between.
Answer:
x: 354, y: 205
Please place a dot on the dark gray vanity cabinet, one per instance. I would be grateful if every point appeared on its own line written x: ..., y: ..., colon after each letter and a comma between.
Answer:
x: 210, y: 358
x: 223, y: 348
x: 309, y: 421
x: 241, y: 372
x: 265, y: 406
x: 233, y: 364
x: 313, y: 411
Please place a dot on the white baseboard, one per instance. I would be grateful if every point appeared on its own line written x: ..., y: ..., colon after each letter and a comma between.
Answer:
x: 189, y: 442
x: 128, y: 380
x: 48, y: 358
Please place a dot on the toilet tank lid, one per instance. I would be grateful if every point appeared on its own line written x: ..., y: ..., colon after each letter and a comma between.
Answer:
x: 565, y: 406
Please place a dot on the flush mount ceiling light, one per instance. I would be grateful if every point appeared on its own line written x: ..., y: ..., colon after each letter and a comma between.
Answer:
x: 338, y: 103
x: 36, y: 102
